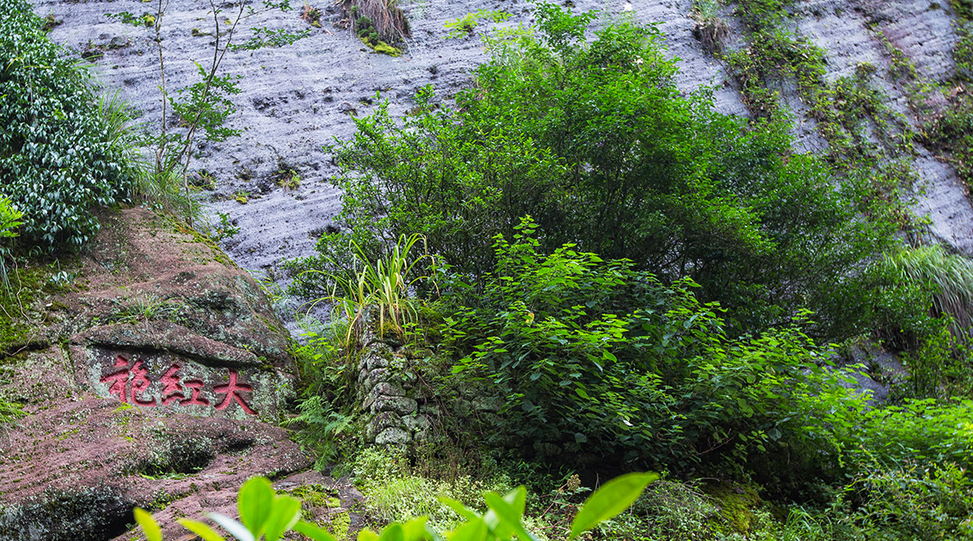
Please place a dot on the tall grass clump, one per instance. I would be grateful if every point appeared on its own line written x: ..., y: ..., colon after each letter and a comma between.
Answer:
x: 380, y: 287
x: 383, y: 17
x: 949, y: 277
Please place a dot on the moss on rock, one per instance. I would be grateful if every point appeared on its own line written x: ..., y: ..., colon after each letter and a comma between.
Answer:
x: 736, y: 505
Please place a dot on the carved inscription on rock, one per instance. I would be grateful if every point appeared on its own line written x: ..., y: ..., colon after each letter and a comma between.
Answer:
x: 134, y: 381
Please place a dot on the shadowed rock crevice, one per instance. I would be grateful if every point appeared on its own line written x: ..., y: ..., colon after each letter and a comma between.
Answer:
x: 178, y: 456
x: 88, y: 514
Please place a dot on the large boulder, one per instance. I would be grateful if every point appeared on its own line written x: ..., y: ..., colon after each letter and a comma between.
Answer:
x: 164, y: 320
x: 157, y: 374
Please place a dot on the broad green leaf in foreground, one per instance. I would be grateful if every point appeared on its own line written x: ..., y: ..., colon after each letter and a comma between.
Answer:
x: 611, y: 499
x: 201, y: 529
x: 255, y: 503
x: 367, y: 535
x: 285, y: 513
x: 474, y: 530
x: 148, y: 524
x: 312, y: 531
x: 235, y: 528
x: 393, y: 532
x: 509, y: 516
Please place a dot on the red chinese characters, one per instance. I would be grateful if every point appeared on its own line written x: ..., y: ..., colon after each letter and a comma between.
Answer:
x: 232, y: 392
x: 131, y: 384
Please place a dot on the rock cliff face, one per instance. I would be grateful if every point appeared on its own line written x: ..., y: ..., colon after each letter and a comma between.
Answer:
x: 301, y: 96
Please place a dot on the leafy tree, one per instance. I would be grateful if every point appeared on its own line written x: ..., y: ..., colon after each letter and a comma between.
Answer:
x: 594, y: 140
x: 61, y: 153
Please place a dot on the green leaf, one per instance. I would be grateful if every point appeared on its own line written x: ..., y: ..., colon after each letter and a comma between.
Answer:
x: 367, y: 535
x: 255, y: 503
x: 200, y: 529
x: 474, y: 530
x: 393, y: 532
x: 148, y: 524
x: 460, y: 509
x: 235, y: 528
x: 286, y: 512
x: 418, y: 529
x: 509, y: 516
x: 312, y: 531
x: 611, y: 499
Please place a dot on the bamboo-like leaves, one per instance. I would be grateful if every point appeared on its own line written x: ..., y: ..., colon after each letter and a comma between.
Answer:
x: 950, y: 275
x: 382, y: 284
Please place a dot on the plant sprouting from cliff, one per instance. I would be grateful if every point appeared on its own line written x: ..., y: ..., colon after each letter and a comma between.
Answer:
x: 463, y: 27
x: 383, y: 286
x: 382, y: 17
x: 710, y: 30
x: 207, y: 107
x: 948, y: 276
x: 202, y: 107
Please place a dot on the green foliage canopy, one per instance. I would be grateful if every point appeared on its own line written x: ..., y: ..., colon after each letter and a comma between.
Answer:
x: 60, y: 155
x: 596, y: 143
x: 594, y: 360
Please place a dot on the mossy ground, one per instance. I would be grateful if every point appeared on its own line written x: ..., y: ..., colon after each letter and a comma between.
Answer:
x: 736, y: 505
x: 324, y: 504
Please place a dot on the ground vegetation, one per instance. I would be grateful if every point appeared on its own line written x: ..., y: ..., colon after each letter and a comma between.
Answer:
x: 639, y: 281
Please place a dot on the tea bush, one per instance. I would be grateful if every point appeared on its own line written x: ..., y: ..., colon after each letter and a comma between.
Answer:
x: 61, y: 153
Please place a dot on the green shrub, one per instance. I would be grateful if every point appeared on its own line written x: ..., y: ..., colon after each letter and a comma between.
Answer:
x: 921, y: 431
x: 60, y: 155
x: 593, y: 361
x: 915, y: 501
x: 596, y: 143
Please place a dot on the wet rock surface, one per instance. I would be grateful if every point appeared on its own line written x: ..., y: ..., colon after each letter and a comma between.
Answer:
x: 158, y: 376
x: 76, y: 469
